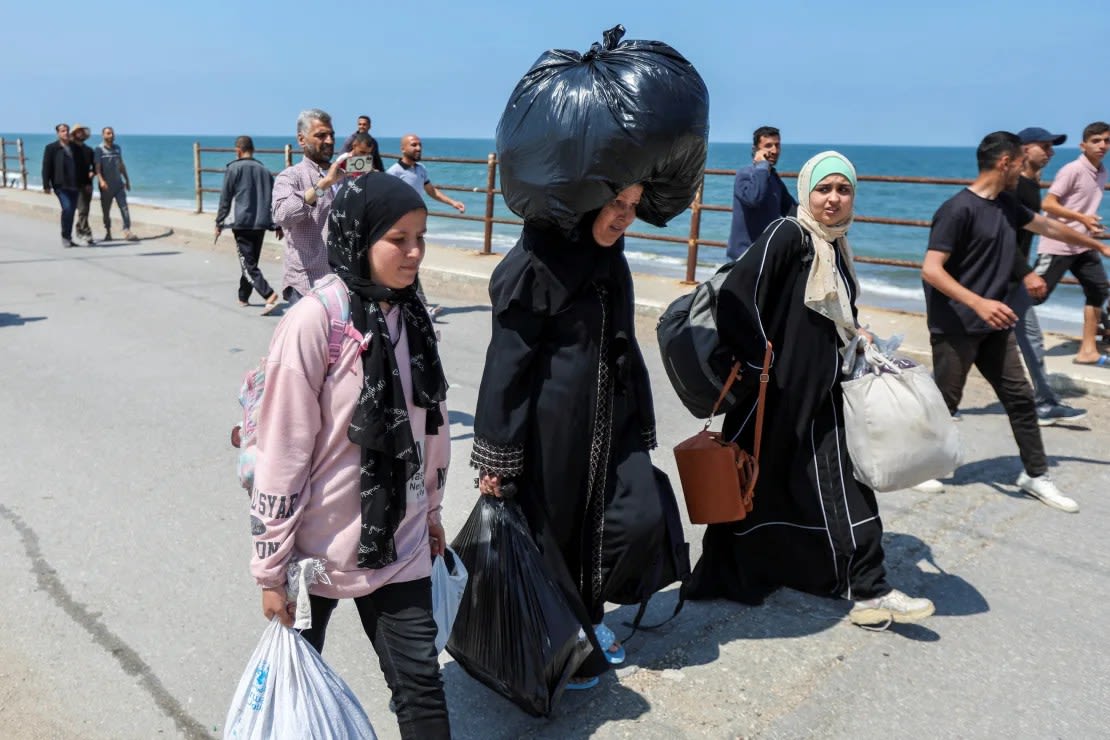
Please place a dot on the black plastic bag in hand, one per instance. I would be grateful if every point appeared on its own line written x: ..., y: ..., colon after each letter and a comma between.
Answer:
x: 580, y: 128
x: 514, y: 631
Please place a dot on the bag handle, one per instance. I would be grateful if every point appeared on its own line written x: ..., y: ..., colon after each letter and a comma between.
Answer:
x: 764, y: 379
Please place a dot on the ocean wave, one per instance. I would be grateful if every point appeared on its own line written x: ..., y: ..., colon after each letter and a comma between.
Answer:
x: 871, y: 286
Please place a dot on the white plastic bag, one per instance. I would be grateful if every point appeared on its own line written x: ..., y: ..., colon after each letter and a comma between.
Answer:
x: 288, y: 691
x: 448, y: 586
x: 898, y: 428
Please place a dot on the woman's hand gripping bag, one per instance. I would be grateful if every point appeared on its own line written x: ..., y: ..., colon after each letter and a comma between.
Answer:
x: 515, y: 631
x: 449, y: 578
x: 897, y: 425
x: 578, y: 128
x: 287, y: 690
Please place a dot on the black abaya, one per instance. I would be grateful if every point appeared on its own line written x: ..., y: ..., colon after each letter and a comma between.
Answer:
x: 813, y: 526
x: 565, y: 414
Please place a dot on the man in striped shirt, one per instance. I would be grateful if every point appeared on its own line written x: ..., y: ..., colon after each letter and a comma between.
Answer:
x: 302, y: 201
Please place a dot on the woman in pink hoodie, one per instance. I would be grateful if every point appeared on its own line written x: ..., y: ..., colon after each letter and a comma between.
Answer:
x: 352, y: 457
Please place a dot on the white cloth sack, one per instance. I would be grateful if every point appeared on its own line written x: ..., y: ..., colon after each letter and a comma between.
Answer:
x: 288, y: 691
x: 448, y: 586
x: 898, y: 428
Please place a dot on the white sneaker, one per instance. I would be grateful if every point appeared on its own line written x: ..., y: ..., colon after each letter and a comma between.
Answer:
x: 930, y: 486
x: 893, y: 607
x: 1043, y: 488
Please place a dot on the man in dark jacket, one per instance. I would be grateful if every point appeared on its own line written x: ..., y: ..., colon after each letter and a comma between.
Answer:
x: 84, y: 158
x: 759, y: 195
x: 250, y: 185
x: 59, y: 174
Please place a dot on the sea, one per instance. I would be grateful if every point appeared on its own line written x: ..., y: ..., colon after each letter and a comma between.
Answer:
x: 161, y: 169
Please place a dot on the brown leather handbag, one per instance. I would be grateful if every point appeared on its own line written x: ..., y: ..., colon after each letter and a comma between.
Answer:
x: 718, y: 478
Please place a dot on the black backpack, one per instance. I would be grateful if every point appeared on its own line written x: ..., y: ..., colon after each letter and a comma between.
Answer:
x: 696, y: 362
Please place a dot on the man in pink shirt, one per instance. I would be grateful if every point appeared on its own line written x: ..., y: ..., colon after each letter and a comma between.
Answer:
x: 302, y: 201
x: 1074, y: 198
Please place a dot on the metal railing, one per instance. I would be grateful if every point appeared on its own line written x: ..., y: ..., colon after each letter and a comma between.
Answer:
x: 8, y: 175
x: 693, y: 240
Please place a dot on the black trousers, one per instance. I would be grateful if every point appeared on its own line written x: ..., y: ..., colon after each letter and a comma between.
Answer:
x: 1086, y: 267
x: 291, y: 295
x: 996, y: 357
x: 249, y: 244
x: 398, y: 620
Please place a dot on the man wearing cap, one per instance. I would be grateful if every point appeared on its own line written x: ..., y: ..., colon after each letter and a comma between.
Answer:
x: 1037, y: 144
x: 1074, y: 199
x: 84, y: 158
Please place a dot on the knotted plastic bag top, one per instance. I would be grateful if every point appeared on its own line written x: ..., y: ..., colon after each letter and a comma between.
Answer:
x: 579, y: 128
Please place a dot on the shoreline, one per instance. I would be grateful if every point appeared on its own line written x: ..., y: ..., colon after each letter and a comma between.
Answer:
x: 465, y: 272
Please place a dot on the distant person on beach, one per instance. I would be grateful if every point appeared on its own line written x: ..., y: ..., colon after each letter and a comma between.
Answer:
x: 250, y: 186
x: 59, y: 174
x: 409, y: 169
x: 1037, y: 144
x: 814, y: 528
x: 968, y: 274
x: 111, y: 175
x: 363, y: 127
x: 84, y: 158
x: 302, y: 201
x: 759, y: 195
x: 1074, y: 198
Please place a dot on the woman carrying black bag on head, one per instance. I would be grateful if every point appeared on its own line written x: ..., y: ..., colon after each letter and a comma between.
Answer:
x: 564, y: 419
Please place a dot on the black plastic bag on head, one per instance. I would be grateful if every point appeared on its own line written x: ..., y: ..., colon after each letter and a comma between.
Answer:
x: 514, y: 631
x: 580, y: 128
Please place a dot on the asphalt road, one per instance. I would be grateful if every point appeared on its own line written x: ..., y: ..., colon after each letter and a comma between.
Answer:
x: 129, y: 612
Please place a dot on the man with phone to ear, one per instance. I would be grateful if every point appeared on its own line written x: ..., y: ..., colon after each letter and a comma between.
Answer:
x: 759, y: 196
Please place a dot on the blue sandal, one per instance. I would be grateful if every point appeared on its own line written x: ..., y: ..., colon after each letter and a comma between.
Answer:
x: 607, y: 640
x: 581, y: 684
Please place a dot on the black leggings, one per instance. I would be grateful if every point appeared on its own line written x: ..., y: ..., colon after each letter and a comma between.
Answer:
x: 398, y: 620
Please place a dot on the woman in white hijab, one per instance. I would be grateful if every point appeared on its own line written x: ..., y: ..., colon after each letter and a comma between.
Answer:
x: 813, y: 527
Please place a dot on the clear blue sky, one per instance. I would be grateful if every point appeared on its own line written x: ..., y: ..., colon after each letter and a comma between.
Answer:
x: 938, y: 72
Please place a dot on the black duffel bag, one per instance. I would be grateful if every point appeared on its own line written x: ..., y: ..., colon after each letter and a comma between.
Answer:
x: 579, y: 128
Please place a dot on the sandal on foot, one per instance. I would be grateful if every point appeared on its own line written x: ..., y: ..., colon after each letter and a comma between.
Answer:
x: 1102, y: 361
x: 581, y: 684
x: 614, y: 653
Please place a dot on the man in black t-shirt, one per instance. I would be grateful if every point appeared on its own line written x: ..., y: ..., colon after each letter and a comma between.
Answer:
x: 968, y: 283
x: 1037, y: 145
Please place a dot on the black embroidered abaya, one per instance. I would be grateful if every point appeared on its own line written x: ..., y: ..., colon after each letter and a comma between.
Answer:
x: 565, y: 418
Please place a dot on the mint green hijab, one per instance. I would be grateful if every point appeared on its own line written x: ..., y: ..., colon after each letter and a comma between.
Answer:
x: 826, y: 291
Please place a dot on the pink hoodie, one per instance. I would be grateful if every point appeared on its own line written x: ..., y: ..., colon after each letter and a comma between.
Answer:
x: 306, y: 499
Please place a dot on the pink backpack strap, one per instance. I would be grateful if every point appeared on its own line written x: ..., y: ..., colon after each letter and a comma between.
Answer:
x: 332, y: 292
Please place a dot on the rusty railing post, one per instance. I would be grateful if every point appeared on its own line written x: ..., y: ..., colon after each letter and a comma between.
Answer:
x: 3, y: 163
x: 695, y: 234
x: 196, y: 172
x: 491, y: 182
x: 288, y: 155
x: 22, y: 161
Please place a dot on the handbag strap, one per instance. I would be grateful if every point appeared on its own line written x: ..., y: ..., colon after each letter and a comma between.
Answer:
x: 764, y: 379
